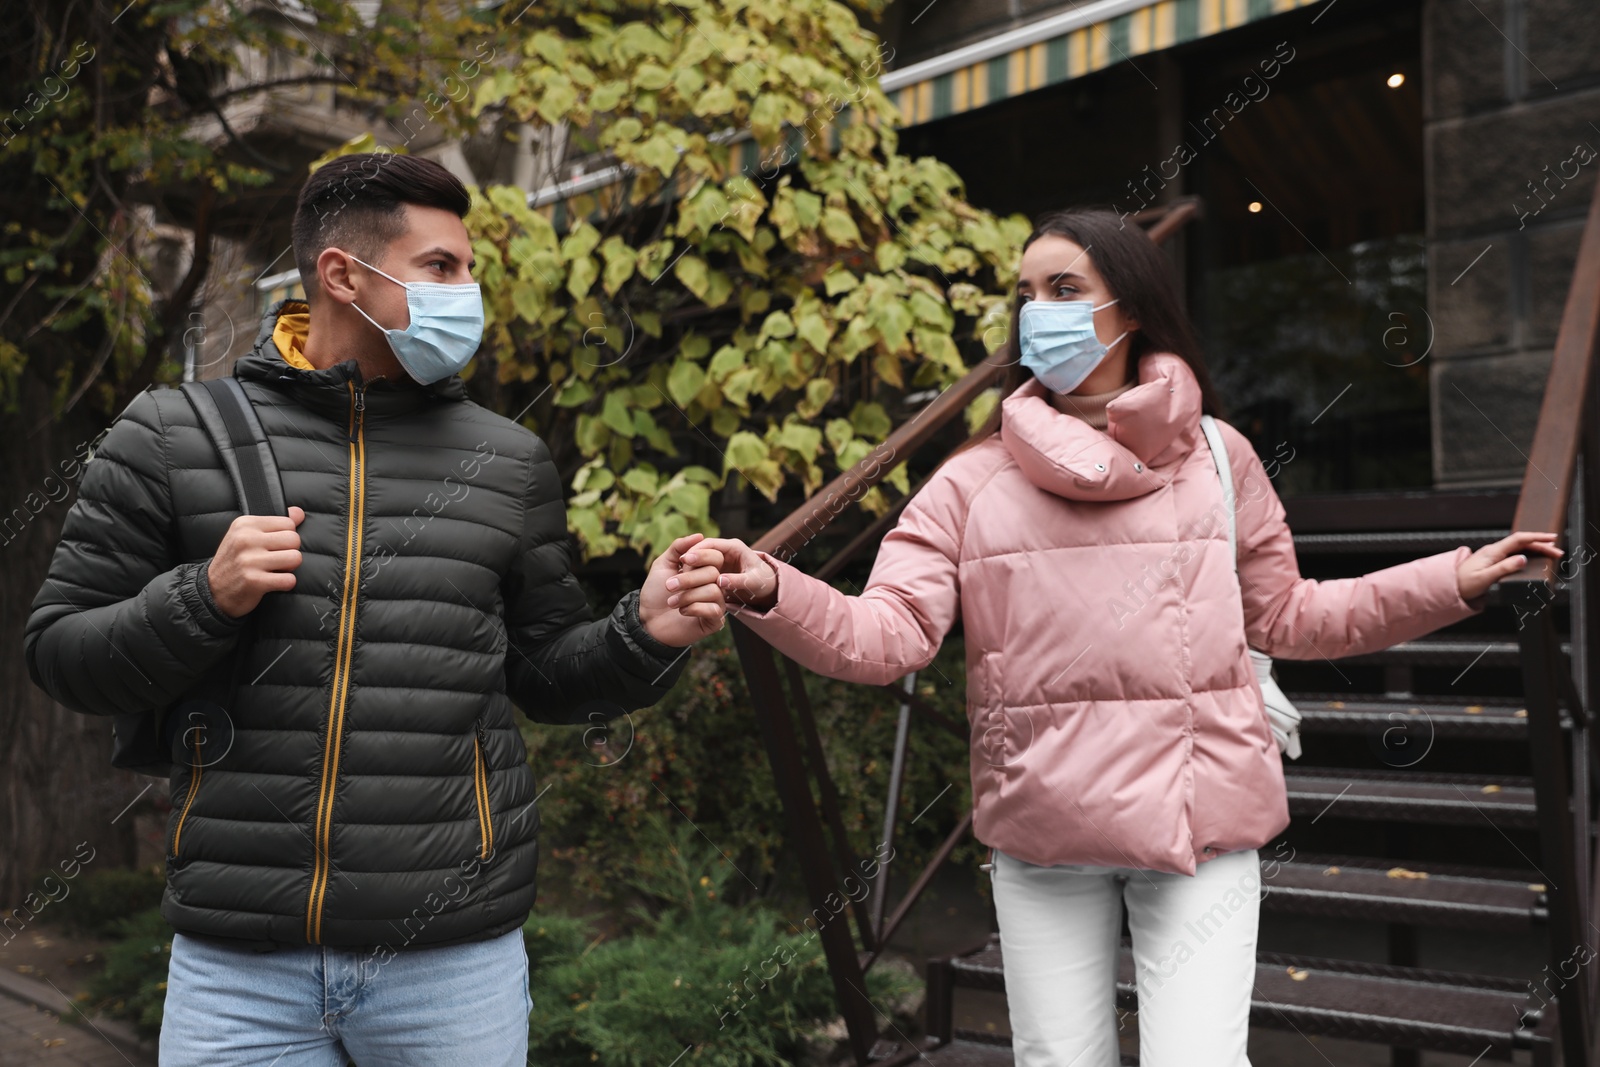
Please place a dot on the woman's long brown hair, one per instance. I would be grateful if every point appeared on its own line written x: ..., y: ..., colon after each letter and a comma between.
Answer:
x: 1138, y: 274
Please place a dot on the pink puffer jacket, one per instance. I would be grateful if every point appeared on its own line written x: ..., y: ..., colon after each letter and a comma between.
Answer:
x: 1115, y: 716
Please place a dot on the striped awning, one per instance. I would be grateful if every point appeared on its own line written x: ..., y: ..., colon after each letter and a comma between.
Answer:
x: 1068, y: 45
x: 1060, y: 47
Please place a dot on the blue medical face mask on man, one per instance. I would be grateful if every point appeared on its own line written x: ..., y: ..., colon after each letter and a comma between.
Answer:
x: 1058, y: 341
x: 446, y: 326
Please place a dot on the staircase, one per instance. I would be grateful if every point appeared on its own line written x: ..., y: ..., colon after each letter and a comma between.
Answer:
x: 1445, y: 783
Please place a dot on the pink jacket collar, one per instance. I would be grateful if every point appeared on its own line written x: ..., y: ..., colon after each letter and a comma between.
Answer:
x: 1149, y: 430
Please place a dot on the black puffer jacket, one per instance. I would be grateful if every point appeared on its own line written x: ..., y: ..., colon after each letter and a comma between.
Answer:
x: 375, y: 789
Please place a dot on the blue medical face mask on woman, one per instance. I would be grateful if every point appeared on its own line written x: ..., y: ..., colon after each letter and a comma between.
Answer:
x: 446, y: 326
x: 1058, y: 341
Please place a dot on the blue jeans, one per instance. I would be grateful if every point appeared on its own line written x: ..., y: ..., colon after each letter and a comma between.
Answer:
x: 313, y: 1006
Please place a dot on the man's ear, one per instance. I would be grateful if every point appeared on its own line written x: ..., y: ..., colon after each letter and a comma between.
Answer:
x: 334, y: 275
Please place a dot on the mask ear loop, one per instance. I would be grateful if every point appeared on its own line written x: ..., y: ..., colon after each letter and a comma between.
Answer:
x: 1102, y: 307
x: 1121, y: 335
x: 392, y: 278
x: 369, y: 318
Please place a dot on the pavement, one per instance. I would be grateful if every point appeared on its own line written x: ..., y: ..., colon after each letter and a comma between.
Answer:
x: 40, y: 1026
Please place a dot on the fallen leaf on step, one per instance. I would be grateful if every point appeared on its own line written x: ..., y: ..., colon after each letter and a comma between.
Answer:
x: 1298, y: 975
x: 1537, y: 887
x: 1490, y: 789
x: 1335, y: 703
x: 55, y: 1042
x: 1520, y: 713
x: 1401, y: 872
x: 1473, y: 709
x: 1331, y: 870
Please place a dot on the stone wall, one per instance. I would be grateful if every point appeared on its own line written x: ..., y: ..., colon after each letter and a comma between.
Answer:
x: 1512, y: 155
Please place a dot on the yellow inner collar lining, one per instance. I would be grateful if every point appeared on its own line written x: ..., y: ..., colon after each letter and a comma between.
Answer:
x: 294, y: 324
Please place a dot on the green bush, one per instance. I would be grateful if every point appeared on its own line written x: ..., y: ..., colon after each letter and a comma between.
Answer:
x: 695, y: 978
x: 100, y: 900
x: 699, y: 754
x: 133, y: 985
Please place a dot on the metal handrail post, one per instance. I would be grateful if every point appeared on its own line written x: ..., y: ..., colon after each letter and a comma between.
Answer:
x: 1541, y: 662
x: 891, y: 807
x: 783, y: 751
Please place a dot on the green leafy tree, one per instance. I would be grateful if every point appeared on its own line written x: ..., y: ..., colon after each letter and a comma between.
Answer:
x: 733, y: 307
x: 117, y: 118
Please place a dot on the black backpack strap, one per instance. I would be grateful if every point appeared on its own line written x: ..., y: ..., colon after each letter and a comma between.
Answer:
x: 143, y: 741
x: 230, y: 420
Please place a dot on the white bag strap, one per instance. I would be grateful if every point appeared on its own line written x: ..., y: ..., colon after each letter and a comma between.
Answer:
x: 1283, y: 716
x: 1219, y: 456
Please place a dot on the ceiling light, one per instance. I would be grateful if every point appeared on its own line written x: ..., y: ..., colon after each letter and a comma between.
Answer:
x: 1396, y: 80
x: 1255, y: 206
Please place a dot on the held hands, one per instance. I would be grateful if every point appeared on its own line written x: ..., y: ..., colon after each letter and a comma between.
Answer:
x: 257, y: 556
x: 1495, y: 561
x: 683, y: 578
x: 746, y: 578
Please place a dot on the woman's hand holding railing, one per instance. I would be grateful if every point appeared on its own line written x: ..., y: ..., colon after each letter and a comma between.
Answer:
x: 1495, y: 561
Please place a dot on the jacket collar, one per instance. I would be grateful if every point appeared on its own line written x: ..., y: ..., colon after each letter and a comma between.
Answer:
x: 1149, y: 430
x: 327, y: 390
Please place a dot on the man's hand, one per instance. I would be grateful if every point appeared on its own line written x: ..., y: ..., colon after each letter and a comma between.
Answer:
x: 745, y: 577
x: 680, y: 604
x: 1491, y: 563
x: 257, y: 556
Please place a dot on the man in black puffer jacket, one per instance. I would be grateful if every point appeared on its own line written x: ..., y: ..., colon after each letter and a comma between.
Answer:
x: 352, y: 873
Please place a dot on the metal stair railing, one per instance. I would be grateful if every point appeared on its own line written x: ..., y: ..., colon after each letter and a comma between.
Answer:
x: 1560, y: 492
x: 790, y: 734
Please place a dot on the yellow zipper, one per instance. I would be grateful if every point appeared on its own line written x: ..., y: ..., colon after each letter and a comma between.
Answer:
x: 194, y: 787
x: 341, y: 662
x: 480, y: 781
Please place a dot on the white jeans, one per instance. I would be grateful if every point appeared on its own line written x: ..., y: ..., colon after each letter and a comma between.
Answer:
x: 1194, y: 951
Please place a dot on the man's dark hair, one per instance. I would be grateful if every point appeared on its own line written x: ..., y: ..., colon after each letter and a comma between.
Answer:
x: 355, y: 202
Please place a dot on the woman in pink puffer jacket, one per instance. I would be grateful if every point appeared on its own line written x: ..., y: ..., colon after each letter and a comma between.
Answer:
x: 1120, y: 747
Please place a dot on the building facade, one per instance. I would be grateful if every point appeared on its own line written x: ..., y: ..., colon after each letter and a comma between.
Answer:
x: 1392, y: 191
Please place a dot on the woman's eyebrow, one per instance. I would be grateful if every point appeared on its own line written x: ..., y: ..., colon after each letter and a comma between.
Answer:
x: 1023, y: 283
